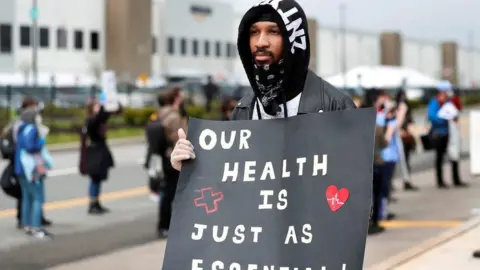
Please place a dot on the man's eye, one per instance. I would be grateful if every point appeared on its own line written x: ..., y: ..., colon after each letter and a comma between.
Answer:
x: 274, y: 31
x: 253, y: 32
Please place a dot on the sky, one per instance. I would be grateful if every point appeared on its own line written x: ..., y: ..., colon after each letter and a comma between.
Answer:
x: 429, y: 20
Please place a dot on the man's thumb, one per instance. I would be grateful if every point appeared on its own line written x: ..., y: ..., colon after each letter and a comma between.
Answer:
x: 181, y: 134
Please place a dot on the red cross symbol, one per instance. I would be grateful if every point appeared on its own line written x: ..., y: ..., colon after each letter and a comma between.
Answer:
x: 206, y: 196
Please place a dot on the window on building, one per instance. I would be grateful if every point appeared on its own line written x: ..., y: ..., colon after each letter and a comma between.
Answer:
x: 195, y: 47
x: 78, y: 39
x: 44, y: 37
x: 5, y: 38
x: 62, y: 38
x: 154, y: 45
x: 94, y: 41
x: 183, y: 46
x: 171, y: 46
x: 233, y: 50
x: 218, y: 49
x: 25, y: 36
x: 207, y: 48
x: 228, y: 49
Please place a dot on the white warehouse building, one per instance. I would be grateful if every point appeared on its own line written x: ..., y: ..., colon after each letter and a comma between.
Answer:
x: 361, y: 49
x: 193, y: 38
x: 188, y: 38
x: 71, y: 37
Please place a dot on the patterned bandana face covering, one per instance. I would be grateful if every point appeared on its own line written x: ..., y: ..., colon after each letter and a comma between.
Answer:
x: 269, y: 80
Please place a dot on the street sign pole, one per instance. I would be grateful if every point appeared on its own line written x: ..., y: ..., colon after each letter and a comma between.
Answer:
x: 34, y: 34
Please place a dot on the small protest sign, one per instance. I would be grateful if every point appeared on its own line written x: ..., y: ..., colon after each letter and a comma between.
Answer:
x: 109, y: 95
x: 284, y: 194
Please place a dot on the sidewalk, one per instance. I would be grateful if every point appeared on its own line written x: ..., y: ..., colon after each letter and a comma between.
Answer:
x: 449, y: 251
x: 456, y: 254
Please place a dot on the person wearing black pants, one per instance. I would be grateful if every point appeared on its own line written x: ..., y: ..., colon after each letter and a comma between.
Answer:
x: 375, y: 227
x: 172, y: 120
x: 377, y: 99
x: 441, y: 151
x: 440, y: 135
x: 165, y: 209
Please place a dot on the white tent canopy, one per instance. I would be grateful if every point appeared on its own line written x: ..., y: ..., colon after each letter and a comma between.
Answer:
x: 382, y: 77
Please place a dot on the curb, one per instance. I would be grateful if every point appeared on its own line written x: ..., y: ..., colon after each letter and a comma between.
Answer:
x: 65, y: 147
x: 416, y: 251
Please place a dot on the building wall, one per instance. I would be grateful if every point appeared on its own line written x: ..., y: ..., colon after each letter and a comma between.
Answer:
x: 423, y: 56
x: 431, y: 60
x: 87, y: 16
x: 468, y: 67
x: 129, y: 43
x: 205, y: 21
x: 412, y: 54
x: 238, y: 70
x: 449, y: 62
x: 159, y: 41
x: 361, y: 49
x: 312, y: 32
x: 391, y: 49
x: 7, y: 18
x: 476, y: 68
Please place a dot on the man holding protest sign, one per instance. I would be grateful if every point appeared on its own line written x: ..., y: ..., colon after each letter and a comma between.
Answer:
x: 274, y: 47
x: 269, y: 194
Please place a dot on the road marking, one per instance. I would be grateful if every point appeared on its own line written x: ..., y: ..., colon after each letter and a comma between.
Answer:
x: 111, y: 196
x: 144, y: 191
x: 421, y: 223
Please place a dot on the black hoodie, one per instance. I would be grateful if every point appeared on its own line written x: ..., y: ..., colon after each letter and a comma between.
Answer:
x: 296, y: 57
x: 296, y: 53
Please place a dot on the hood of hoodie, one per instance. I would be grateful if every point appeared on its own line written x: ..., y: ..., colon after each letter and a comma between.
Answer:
x: 29, y: 116
x: 296, y: 43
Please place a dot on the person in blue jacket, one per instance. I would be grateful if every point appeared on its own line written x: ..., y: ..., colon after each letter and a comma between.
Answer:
x: 29, y: 146
x: 440, y: 136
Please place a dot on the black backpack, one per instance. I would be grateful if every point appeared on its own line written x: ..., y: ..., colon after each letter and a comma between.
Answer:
x: 155, y: 135
x: 9, y: 182
x: 7, y: 143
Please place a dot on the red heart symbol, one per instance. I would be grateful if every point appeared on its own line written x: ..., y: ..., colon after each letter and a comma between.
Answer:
x: 336, y: 198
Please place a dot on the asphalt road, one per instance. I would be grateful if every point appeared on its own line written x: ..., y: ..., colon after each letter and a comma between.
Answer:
x: 77, y: 235
x: 423, y: 218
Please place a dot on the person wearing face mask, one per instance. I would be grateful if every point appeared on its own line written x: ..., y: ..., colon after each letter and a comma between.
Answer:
x: 31, y: 164
x: 10, y: 136
x: 274, y: 47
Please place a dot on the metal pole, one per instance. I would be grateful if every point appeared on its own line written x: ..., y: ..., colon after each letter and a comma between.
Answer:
x: 34, y: 34
x: 344, y: 43
x: 471, y: 52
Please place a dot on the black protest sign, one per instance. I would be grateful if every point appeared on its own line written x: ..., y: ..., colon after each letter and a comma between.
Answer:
x: 285, y: 194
